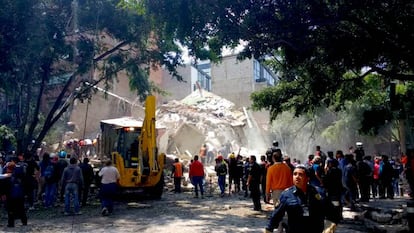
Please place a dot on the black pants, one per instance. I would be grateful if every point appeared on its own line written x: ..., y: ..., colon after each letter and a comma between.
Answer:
x: 364, y: 185
x: 15, y: 209
x: 177, y: 184
x: 84, y: 193
x: 386, y: 189
x: 255, y: 194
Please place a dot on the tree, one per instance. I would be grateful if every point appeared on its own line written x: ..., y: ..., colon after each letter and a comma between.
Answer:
x: 48, y: 48
x: 312, y: 45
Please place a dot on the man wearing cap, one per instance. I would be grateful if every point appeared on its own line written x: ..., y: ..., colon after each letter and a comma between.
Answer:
x: 221, y: 170
x: 304, y: 206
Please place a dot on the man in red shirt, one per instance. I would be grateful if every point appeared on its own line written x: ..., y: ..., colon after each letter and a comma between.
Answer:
x: 197, y: 175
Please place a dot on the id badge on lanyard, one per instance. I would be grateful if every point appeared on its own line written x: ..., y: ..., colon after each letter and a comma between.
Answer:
x: 305, y: 209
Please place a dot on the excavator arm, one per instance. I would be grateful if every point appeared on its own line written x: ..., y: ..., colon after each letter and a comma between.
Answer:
x: 148, y: 150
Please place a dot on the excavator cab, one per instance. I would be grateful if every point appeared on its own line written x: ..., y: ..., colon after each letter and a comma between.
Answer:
x: 133, y: 149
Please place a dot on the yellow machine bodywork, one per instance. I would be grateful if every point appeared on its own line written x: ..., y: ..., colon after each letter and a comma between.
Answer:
x: 135, y: 153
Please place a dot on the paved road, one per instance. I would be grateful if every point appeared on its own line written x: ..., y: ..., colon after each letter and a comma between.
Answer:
x: 174, y: 213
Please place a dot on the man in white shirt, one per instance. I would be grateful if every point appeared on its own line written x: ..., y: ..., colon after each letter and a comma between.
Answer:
x: 110, y: 178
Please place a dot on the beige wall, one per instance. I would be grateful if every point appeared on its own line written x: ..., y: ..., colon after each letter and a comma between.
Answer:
x: 233, y: 80
x: 101, y: 108
x: 176, y: 90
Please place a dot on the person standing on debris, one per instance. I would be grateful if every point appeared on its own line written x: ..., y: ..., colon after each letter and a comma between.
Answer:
x: 177, y: 173
x: 72, y: 178
x: 221, y: 171
x: 278, y: 178
x: 109, y: 184
x: 305, y: 207
x: 203, y: 153
x: 253, y: 182
x: 87, y: 172
x: 196, y: 175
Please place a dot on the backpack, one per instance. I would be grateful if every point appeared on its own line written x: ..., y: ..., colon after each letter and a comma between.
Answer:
x: 18, y: 174
x: 222, y: 169
x: 49, y: 171
x: 19, y: 171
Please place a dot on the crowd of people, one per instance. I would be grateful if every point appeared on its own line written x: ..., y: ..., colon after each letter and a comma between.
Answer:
x: 313, y: 192
x: 58, y: 178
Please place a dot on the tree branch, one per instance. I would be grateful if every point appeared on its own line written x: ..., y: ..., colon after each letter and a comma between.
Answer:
x: 100, y: 57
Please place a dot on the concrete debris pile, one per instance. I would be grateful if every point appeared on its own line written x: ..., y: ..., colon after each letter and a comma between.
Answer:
x: 389, y: 216
x: 200, y: 118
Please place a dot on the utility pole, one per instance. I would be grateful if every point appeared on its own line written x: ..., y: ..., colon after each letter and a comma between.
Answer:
x: 75, y: 29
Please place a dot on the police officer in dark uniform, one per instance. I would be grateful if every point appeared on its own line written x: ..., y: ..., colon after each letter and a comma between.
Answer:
x: 305, y: 208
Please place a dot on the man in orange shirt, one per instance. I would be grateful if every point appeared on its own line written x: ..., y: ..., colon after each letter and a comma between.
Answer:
x: 177, y: 174
x: 278, y: 178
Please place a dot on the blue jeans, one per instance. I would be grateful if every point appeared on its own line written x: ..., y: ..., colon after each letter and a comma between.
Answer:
x: 50, y: 193
x: 198, y: 182
x: 222, y: 183
x: 71, y: 189
x: 108, y: 192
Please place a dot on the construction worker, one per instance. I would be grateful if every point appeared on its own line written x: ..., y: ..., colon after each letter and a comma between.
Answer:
x: 177, y: 174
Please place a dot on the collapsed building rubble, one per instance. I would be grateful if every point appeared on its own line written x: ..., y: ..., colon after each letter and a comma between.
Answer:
x: 202, y: 118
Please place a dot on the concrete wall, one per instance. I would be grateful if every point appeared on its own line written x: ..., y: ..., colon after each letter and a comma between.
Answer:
x: 233, y: 80
x: 176, y: 90
x: 101, y: 108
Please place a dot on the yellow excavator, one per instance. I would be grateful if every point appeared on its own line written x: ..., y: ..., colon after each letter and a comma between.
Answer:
x: 132, y: 146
